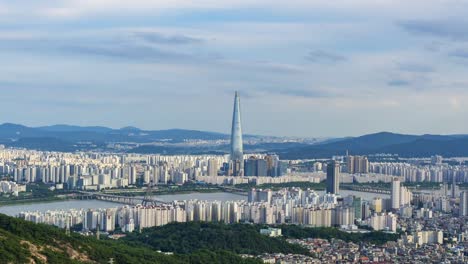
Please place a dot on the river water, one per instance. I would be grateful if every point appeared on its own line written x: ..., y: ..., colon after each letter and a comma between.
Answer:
x: 366, y: 196
x: 14, y: 210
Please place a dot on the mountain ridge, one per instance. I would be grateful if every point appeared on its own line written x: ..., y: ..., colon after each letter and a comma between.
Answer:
x: 385, y: 142
x: 62, y: 137
x: 101, y: 133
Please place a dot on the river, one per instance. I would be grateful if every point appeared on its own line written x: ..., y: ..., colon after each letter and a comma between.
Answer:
x: 14, y: 210
x: 366, y: 196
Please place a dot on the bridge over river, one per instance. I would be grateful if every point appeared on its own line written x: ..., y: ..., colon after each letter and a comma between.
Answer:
x: 130, y: 200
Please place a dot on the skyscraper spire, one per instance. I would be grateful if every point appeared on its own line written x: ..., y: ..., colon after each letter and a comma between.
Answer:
x: 237, y: 151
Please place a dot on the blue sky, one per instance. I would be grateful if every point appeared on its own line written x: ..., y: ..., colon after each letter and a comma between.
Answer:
x: 303, y: 68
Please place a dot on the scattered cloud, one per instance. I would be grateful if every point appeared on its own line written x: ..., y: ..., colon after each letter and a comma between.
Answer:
x: 293, y: 92
x: 449, y: 29
x: 133, y: 45
x: 415, y: 68
x: 307, y: 93
x: 459, y: 53
x: 398, y: 82
x: 158, y: 38
x: 189, y: 56
x: 321, y: 56
x: 269, y: 66
x: 129, y: 52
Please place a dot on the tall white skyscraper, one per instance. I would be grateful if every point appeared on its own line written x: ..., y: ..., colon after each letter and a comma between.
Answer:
x: 396, y: 193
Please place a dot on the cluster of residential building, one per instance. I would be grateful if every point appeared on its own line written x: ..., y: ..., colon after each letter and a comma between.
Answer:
x: 437, y: 172
x: 266, y: 208
x: 9, y: 187
x: 401, y: 251
x: 95, y: 171
x: 314, y: 177
x: 426, y: 229
x: 293, y: 205
x: 360, y: 169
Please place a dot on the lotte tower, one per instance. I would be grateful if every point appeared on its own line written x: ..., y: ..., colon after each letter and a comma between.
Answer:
x: 237, y: 150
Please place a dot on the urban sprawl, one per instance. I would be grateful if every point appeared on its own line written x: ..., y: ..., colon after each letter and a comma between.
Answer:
x: 433, y: 222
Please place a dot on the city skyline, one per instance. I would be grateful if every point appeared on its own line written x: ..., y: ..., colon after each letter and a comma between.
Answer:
x: 309, y: 69
x: 123, y: 136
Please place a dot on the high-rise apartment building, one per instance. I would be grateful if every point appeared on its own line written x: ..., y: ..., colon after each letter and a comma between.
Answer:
x: 213, y: 167
x: 437, y: 160
x: 464, y: 203
x: 383, y: 222
x: 378, y: 204
x: 453, y: 188
x: 260, y: 195
x: 396, y: 193
x: 357, y: 164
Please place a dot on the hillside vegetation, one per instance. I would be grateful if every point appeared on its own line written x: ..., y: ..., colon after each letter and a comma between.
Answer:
x: 193, y: 242
x: 26, y: 242
x: 193, y: 236
x: 299, y: 232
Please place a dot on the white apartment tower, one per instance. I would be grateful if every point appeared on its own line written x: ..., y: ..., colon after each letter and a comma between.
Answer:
x: 396, y: 193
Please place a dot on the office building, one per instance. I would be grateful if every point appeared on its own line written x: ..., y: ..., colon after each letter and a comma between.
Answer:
x: 333, y: 177
x: 357, y: 205
x: 255, y: 167
x: 273, y: 165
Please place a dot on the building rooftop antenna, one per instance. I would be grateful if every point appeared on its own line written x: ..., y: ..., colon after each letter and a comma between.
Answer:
x: 148, y: 199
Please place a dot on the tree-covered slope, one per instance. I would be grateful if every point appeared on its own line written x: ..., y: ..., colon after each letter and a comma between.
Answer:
x: 299, y: 232
x: 193, y: 236
x: 26, y: 242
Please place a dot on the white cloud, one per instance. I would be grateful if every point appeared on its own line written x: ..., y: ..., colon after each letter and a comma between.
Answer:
x: 263, y: 59
x: 374, y: 8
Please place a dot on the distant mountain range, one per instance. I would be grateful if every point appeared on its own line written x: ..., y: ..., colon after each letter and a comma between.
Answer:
x: 13, y: 132
x: 71, y: 138
x: 384, y: 142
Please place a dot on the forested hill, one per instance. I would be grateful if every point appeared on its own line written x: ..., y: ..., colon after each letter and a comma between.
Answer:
x: 192, y: 242
x: 26, y: 242
x: 242, y: 238
x: 190, y: 237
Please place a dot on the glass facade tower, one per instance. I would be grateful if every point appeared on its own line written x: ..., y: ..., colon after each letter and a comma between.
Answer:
x: 237, y: 151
